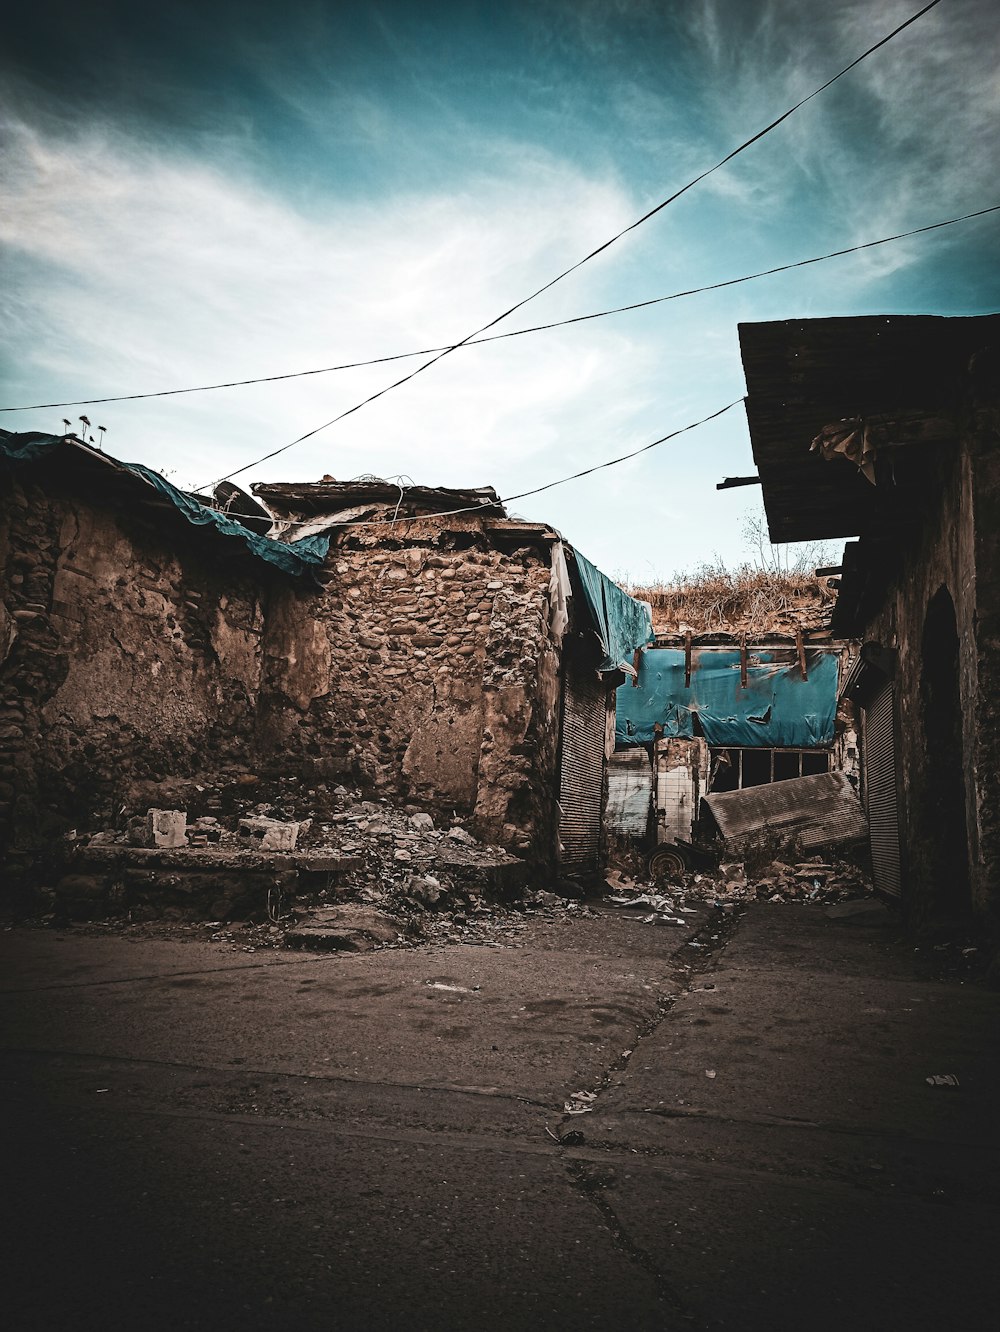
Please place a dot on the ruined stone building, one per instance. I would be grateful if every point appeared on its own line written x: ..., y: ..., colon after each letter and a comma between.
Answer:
x: 885, y: 429
x: 159, y: 648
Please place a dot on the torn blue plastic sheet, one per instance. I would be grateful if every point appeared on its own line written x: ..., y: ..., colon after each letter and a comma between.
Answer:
x: 622, y: 623
x: 295, y: 557
x: 777, y: 709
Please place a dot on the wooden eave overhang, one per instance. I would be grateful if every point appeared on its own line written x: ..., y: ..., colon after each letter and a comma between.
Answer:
x: 804, y: 374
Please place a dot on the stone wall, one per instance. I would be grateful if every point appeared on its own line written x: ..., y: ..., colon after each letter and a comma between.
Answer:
x: 941, y: 555
x: 443, y: 682
x: 130, y: 654
x: 143, y: 662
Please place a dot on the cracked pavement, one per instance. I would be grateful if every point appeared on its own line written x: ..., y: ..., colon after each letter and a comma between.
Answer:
x: 198, y: 1139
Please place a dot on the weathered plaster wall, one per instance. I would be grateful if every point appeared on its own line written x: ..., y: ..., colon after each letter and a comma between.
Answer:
x: 943, y: 555
x: 443, y: 682
x: 137, y: 659
x: 131, y: 662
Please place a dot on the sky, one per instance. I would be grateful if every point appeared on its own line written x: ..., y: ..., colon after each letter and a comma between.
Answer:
x: 199, y: 192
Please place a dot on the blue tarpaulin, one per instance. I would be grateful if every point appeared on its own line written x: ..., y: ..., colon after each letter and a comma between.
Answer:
x: 295, y: 557
x: 622, y: 623
x: 777, y: 709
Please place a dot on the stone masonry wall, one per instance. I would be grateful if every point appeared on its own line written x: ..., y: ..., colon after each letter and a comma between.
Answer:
x: 123, y: 662
x: 443, y: 682
x: 138, y: 658
x: 943, y: 555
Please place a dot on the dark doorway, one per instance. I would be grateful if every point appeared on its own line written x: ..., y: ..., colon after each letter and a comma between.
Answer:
x: 943, y: 810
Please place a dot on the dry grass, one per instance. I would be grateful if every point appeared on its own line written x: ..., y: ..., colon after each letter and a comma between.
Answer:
x: 714, y: 599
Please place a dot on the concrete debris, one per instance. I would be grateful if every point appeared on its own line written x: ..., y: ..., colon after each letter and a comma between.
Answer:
x: 809, y: 881
x: 425, y: 889
x: 298, y: 871
x: 166, y: 828
x: 348, y: 928
x: 270, y: 834
x: 462, y: 837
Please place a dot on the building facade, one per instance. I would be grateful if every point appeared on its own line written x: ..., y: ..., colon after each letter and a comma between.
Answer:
x: 885, y: 429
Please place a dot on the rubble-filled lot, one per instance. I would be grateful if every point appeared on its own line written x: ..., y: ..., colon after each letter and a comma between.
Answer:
x: 351, y: 873
x: 354, y: 874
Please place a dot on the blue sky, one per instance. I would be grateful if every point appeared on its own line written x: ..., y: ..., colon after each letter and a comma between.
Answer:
x: 208, y: 192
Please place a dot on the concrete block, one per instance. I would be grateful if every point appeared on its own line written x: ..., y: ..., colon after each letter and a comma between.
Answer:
x: 270, y: 834
x: 166, y: 827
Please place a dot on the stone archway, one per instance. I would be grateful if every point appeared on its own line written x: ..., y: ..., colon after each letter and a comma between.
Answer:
x: 943, y: 807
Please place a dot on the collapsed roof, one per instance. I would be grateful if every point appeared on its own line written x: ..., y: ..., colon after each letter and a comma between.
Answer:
x: 307, y: 508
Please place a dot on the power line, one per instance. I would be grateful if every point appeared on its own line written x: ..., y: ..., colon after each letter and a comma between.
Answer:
x: 592, y: 255
x: 520, y: 332
x: 549, y: 485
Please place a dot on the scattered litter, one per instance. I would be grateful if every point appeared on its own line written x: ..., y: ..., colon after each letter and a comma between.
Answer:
x: 655, y: 900
x: 455, y: 989
x: 580, y: 1103
x: 709, y: 1072
x: 942, y: 1080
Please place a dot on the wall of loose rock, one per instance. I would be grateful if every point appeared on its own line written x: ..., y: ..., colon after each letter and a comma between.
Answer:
x: 142, y: 663
x: 443, y: 681
x: 129, y: 656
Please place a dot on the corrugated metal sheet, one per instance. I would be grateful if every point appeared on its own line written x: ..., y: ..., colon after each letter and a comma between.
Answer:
x: 581, y: 786
x: 880, y: 790
x: 818, y: 811
x: 630, y: 790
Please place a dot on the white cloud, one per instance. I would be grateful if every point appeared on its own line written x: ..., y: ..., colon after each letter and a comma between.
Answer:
x: 135, y: 266
x: 159, y: 271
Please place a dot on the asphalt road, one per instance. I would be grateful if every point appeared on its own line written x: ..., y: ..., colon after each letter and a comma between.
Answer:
x: 202, y: 1138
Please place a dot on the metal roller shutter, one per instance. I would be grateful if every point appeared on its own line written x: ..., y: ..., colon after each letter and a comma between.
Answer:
x: 581, y: 778
x: 880, y: 787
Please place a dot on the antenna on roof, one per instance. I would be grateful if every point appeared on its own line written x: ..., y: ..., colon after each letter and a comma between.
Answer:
x: 86, y: 423
x: 67, y: 423
x: 103, y: 431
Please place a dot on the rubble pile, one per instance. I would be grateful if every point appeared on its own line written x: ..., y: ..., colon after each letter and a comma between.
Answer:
x: 807, y: 881
x: 353, y: 872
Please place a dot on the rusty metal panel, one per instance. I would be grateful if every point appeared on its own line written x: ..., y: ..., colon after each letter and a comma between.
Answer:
x: 817, y: 811
x: 581, y: 785
x: 630, y: 792
x: 881, y: 779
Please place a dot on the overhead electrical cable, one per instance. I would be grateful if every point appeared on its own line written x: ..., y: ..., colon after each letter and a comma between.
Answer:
x: 426, y: 365
x: 519, y: 332
x: 549, y: 485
